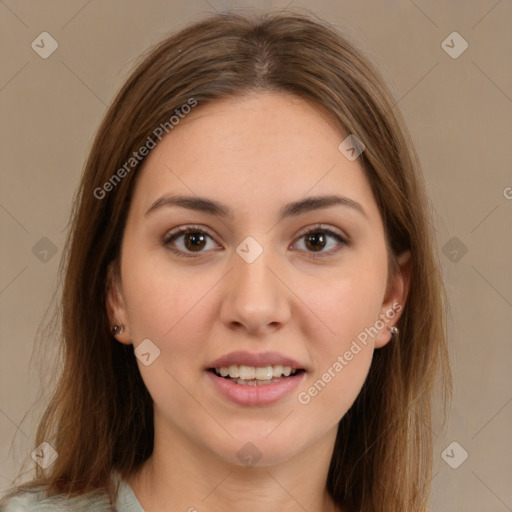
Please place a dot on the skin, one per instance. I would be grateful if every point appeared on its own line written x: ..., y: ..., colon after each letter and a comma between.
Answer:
x: 254, y: 155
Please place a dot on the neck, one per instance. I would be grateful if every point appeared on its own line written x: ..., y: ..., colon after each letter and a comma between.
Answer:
x: 189, y: 477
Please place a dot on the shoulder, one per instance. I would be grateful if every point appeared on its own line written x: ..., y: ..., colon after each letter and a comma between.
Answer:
x: 36, y: 499
x: 32, y: 499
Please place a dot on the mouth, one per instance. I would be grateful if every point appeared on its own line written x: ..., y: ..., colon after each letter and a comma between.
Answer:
x: 256, y: 375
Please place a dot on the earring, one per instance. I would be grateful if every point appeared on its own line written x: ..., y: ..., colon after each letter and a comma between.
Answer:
x: 117, y: 329
x: 393, y: 330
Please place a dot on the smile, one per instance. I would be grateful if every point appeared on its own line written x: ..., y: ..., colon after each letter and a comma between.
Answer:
x: 254, y: 375
x: 255, y: 386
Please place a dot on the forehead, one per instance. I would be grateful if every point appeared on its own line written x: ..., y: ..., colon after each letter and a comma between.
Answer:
x: 249, y: 152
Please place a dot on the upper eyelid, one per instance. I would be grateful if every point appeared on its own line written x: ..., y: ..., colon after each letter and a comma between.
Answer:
x: 185, y: 230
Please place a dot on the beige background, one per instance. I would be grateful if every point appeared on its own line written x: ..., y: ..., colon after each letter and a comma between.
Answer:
x: 460, y: 115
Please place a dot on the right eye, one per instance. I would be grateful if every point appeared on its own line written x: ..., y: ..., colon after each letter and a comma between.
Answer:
x: 194, y: 240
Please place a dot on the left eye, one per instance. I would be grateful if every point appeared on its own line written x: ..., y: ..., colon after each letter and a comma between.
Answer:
x: 195, y: 240
x: 317, y: 239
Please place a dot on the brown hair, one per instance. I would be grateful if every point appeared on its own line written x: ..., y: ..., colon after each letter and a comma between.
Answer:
x: 100, y: 417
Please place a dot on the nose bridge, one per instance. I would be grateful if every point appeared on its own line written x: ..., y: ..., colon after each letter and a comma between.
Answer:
x: 252, y: 272
x: 255, y: 296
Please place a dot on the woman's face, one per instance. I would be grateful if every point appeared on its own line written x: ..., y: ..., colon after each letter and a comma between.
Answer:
x: 247, y: 289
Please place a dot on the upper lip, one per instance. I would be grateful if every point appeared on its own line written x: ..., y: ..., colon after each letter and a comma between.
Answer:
x: 243, y: 358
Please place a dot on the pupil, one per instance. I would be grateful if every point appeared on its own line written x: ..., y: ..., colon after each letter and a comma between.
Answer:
x: 316, y: 238
x: 194, y: 240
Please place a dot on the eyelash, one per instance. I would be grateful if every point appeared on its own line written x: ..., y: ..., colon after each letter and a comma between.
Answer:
x: 170, y: 237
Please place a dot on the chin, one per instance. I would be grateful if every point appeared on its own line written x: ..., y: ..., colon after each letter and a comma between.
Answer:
x: 256, y: 450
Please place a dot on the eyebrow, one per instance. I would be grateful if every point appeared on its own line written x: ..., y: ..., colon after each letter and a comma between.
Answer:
x: 210, y: 206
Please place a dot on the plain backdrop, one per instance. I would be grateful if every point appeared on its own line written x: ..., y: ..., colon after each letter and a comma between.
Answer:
x: 458, y: 106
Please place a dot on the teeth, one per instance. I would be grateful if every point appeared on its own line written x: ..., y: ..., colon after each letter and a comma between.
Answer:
x: 262, y: 373
x: 247, y: 372
x: 265, y: 373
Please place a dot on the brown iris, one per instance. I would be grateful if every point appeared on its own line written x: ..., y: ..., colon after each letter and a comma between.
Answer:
x: 194, y: 241
x: 315, y: 238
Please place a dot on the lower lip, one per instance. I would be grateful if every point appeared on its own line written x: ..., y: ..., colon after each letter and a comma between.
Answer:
x: 264, y: 394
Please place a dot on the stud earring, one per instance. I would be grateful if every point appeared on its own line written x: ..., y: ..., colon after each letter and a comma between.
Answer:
x: 393, y: 330
x: 117, y: 329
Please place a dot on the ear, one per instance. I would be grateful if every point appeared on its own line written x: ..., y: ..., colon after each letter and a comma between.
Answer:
x: 395, y: 298
x: 116, y: 309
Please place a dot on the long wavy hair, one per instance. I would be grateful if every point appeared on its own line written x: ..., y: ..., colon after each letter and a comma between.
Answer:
x: 100, y: 416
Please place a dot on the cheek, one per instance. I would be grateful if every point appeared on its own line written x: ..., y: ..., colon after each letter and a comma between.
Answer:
x: 174, y: 309
x: 345, y: 303
x: 341, y: 360
x: 348, y: 307
x: 171, y: 309
x: 160, y: 297
x: 330, y: 393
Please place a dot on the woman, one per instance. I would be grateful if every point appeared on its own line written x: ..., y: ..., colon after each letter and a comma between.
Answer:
x: 252, y: 308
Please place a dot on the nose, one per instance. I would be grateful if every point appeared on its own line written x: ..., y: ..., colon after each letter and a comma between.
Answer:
x: 256, y: 300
